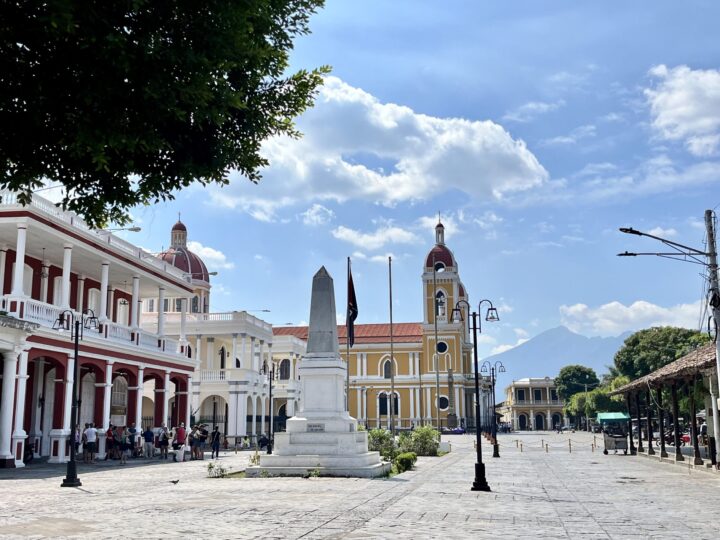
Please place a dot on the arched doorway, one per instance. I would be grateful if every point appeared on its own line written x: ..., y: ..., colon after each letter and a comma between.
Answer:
x: 539, y: 422
x: 556, y: 420
x: 87, y: 399
x: 522, y: 422
x: 212, y: 412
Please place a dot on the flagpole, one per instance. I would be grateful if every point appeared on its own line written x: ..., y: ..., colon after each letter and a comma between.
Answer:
x: 392, y: 355
x: 347, y: 348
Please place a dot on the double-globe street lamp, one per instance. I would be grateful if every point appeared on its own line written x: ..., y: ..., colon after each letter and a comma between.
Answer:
x: 499, y: 368
x: 480, y: 482
x: 68, y: 320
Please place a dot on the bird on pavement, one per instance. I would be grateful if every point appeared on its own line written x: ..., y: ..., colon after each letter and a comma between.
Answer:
x: 174, y: 481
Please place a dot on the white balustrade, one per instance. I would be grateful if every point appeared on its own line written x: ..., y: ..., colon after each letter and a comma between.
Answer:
x: 146, y: 340
x: 118, y: 332
x: 38, y: 312
x: 213, y: 375
x: 172, y: 345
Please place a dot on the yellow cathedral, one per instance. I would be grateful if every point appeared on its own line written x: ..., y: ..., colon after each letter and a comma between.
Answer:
x: 429, y: 355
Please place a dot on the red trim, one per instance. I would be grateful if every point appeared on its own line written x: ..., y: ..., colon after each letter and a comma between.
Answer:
x: 99, y: 247
x: 94, y: 350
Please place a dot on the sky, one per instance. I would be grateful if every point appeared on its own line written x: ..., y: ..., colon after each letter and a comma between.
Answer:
x: 535, y: 129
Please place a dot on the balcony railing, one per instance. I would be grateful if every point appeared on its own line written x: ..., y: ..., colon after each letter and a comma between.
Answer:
x: 9, y: 199
x: 539, y: 402
x: 230, y: 316
x: 237, y: 374
x: 45, y: 315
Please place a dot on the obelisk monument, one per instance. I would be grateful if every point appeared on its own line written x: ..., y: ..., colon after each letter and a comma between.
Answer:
x: 322, y: 437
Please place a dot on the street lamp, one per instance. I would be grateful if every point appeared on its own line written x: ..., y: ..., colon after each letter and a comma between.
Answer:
x: 68, y: 320
x: 500, y: 368
x: 129, y: 229
x: 480, y: 482
x: 270, y: 372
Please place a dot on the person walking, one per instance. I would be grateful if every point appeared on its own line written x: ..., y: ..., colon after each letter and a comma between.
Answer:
x: 90, y: 447
x: 133, y: 434
x: 149, y: 438
x: 164, y: 441
x: 125, y: 445
x: 110, y: 443
x: 215, y: 443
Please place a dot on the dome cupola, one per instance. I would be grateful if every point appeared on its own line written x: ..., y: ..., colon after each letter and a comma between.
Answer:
x: 182, y: 258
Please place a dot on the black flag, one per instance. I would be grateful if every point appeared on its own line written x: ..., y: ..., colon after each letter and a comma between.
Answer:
x: 352, y: 309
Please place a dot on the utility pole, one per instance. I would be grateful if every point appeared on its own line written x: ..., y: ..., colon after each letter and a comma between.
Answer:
x: 715, y: 306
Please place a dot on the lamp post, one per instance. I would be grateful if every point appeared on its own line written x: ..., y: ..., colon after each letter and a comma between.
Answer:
x: 480, y: 482
x: 68, y: 319
x: 270, y: 372
x: 499, y: 368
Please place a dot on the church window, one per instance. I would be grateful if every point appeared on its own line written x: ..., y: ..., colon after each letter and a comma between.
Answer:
x: 285, y: 370
x: 439, y: 266
x: 442, y: 347
x: 387, y: 369
x: 444, y: 403
x: 195, y: 304
x: 440, y: 304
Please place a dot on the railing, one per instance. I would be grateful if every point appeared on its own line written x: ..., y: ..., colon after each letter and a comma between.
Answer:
x: 39, y: 312
x: 172, y: 345
x: 541, y: 402
x: 10, y: 198
x: 118, y: 332
x: 147, y: 340
x: 213, y: 375
x: 230, y: 316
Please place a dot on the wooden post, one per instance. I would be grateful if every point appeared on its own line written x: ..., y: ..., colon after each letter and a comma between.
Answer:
x: 661, y: 423
x: 546, y: 448
x: 648, y: 408
x: 637, y: 412
x: 570, y: 445
x: 521, y: 448
x: 629, y: 408
x: 693, y: 423
x: 676, y: 422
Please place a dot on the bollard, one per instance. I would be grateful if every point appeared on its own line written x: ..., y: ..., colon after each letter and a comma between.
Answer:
x: 592, y: 447
x: 542, y: 443
x: 517, y: 443
x: 521, y: 448
x: 594, y: 440
x: 546, y: 448
x: 570, y: 445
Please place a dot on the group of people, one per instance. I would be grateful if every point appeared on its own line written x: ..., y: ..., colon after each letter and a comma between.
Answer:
x: 199, y: 438
x: 122, y: 442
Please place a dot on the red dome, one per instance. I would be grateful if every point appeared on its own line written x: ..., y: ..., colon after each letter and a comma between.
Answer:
x: 441, y: 254
x: 185, y: 260
x: 179, y: 226
x: 461, y: 291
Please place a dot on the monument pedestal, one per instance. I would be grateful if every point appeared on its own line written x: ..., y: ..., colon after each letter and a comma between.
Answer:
x: 323, y: 437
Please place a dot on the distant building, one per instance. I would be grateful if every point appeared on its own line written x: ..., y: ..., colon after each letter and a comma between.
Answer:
x: 532, y: 404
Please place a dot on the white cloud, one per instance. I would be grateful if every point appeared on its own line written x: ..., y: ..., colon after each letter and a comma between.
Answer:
x: 355, y: 147
x: 386, y: 234
x: 427, y: 225
x: 317, y: 215
x: 664, y: 233
x: 614, y: 318
x: 529, y: 111
x: 685, y: 106
x: 612, y: 117
x: 212, y: 258
x: 577, y: 134
x: 503, y: 348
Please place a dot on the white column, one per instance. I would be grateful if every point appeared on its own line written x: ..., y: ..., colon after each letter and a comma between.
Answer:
x: 67, y: 267
x: 269, y: 355
x: 166, y: 398
x: 19, y: 275
x: 138, y: 397
x: 252, y: 354
x: 107, y: 393
x: 211, y: 353
x: 190, y: 398
x: 80, y: 293
x: 37, y: 392
x: 242, y: 352
x: 263, y: 412
x: 44, y: 274
x: 134, y: 303
x: 291, y: 407
x: 161, y: 312
x: 198, y: 346
x: 22, y: 378
x: 69, y: 378
x: 359, y: 403
x: 104, y: 277
x: 412, y: 403
x: 234, y: 350
x: 254, y: 419
x: 364, y: 364
x: 232, y: 419
x: 111, y: 303
x: 183, y: 317
x: 260, y: 355
x: 6, y: 407
x: 3, y: 259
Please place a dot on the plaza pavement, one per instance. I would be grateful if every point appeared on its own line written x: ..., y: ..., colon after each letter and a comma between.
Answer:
x: 558, y: 494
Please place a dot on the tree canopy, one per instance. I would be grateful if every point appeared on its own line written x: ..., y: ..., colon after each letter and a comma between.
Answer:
x: 123, y: 103
x: 573, y: 379
x: 650, y: 349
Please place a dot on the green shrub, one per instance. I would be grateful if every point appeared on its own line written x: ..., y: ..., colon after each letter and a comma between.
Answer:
x: 381, y: 440
x: 425, y: 441
x: 404, y: 442
x: 405, y: 461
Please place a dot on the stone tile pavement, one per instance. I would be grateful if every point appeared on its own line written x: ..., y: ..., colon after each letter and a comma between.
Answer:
x: 535, y: 494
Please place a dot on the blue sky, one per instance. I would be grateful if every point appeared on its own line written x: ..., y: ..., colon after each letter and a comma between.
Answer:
x: 535, y: 128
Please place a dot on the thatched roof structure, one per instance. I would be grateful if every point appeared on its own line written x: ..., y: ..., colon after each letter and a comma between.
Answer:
x: 688, y: 366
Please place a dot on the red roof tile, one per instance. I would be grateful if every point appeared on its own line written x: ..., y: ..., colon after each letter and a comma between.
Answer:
x: 364, y: 333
